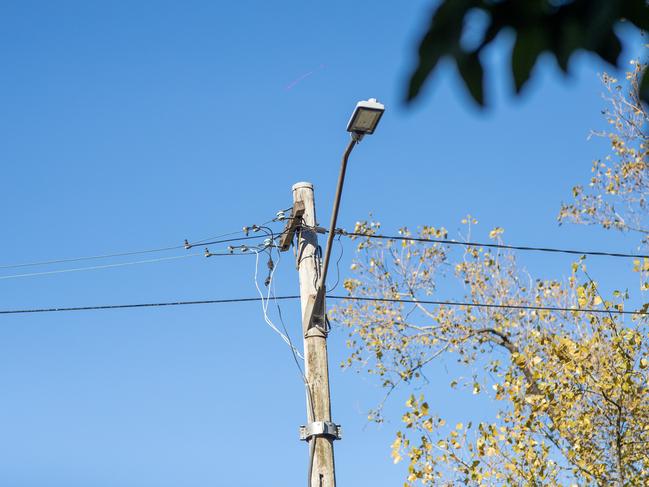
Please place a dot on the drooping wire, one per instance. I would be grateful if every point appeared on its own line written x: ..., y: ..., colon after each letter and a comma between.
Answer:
x: 307, y: 387
x: 288, y: 335
x: 93, y: 257
x: 492, y: 245
x: 342, y: 252
x: 202, y: 240
x: 245, y: 230
x: 137, y: 305
x: 265, y: 301
x: 268, y: 234
x: 351, y: 298
x: 491, y: 305
x: 189, y: 245
x: 212, y: 240
x: 120, y: 264
x: 97, y: 267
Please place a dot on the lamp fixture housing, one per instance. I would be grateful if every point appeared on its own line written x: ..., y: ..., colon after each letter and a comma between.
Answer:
x: 366, y: 117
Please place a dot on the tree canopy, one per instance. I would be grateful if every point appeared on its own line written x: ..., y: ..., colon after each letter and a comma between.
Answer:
x: 559, y: 28
x: 566, y: 365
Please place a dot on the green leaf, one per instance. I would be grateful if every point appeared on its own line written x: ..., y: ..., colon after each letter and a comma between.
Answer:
x: 570, y: 38
x: 636, y: 12
x: 530, y: 43
x: 442, y: 38
x: 470, y: 69
x: 610, y: 48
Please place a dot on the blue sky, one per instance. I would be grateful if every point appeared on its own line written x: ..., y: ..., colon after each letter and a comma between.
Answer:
x: 134, y: 125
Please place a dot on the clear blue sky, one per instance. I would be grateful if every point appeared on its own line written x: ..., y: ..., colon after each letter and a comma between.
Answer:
x: 133, y: 125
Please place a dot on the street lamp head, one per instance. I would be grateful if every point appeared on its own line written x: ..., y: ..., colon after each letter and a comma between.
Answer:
x: 365, y: 118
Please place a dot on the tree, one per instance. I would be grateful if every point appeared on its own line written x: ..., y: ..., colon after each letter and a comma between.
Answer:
x: 559, y: 28
x: 616, y: 196
x: 571, y: 387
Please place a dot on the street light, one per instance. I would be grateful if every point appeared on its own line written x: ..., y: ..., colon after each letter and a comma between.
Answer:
x: 363, y: 122
x: 365, y: 118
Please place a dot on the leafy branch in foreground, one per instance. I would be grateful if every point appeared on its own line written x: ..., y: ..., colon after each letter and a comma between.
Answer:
x: 559, y: 28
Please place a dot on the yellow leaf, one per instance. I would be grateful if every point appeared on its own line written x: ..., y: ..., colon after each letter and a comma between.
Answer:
x: 495, y: 232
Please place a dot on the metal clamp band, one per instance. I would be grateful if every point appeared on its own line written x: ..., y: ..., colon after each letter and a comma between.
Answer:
x: 321, y: 428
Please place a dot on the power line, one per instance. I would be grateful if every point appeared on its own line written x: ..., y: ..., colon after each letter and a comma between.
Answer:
x: 491, y: 305
x: 138, y: 305
x: 96, y: 267
x: 492, y: 245
x: 211, y: 241
x: 248, y: 237
x: 92, y: 257
x: 121, y: 264
x: 205, y: 241
x: 352, y: 298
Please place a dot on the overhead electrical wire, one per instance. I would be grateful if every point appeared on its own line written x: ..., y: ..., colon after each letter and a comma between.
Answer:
x: 351, y: 298
x: 206, y: 241
x: 212, y: 241
x: 247, y: 237
x: 122, y: 264
x: 138, y: 305
x: 268, y: 232
x: 492, y: 305
x: 92, y: 257
x: 492, y: 245
x: 97, y: 267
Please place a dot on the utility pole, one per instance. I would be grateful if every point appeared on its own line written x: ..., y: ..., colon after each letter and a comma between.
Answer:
x: 320, y: 432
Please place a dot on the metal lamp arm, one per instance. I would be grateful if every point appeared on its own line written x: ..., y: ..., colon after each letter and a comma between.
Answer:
x: 334, y: 213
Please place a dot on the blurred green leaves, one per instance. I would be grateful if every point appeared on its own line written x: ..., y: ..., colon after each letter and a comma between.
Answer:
x: 558, y: 28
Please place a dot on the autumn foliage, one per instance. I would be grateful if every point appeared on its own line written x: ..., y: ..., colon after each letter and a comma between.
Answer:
x: 571, y: 387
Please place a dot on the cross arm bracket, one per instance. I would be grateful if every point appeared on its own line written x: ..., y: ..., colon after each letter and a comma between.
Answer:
x: 291, y: 225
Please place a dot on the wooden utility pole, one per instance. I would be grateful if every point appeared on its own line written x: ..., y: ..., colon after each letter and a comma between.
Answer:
x: 320, y: 432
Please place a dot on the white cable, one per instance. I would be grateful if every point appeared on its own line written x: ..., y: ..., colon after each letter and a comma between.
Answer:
x: 79, y: 269
x: 271, y: 284
x: 265, y: 301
